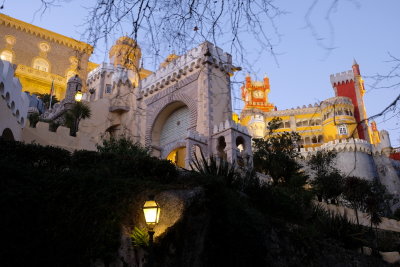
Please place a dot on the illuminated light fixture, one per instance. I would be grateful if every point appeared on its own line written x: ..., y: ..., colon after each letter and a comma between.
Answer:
x: 151, y: 212
x: 78, y: 96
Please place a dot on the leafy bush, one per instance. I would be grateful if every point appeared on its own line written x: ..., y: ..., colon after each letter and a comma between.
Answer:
x: 140, y: 237
x: 33, y: 119
x: 64, y: 209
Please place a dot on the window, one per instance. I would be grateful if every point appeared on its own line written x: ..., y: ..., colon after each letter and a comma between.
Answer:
x: 41, y: 64
x: 6, y: 55
x: 108, y: 88
x: 342, y: 129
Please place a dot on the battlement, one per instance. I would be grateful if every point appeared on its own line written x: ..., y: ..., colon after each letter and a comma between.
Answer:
x: 97, y: 72
x: 193, y: 59
x: 295, y: 111
x: 256, y: 119
x: 61, y: 138
x: 228, y: 124
x: 11, y: 91
x: 336, y: 101
x: 342, y: 145
x: 342, y: 77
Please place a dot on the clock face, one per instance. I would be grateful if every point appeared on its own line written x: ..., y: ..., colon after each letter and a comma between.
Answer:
x: 258, y: 94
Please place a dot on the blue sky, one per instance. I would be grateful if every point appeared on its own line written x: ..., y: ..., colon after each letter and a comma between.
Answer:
x: 365, y: 30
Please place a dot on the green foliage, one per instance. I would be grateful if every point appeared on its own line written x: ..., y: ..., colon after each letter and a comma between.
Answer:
x: 122, y: 146
x: 68, y: 208
x: 338, y: 227
x: 274, y: 124
x: 139, y: 237
x: 328, y: 186
x: 355, y: 192
x: 396, y: 214
x: 322, y: 163
x: 377, y: 202
x: 46, y: 99
x: 276, y: 156
x: 214, y: 167
x: 78, y: 112
x: 53, y: 126
x: 33, y: 119
x: 328, y: 181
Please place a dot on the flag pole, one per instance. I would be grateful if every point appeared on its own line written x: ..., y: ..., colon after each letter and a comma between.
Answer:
x: 51, y: 93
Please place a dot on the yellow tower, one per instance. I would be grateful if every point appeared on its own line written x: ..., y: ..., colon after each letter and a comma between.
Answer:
x: 338, y: 119
x: 126, y: 52
x: 255, y: 94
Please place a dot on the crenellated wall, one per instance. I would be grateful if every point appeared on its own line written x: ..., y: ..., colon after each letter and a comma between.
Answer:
x: 14, y: 102
x: 61, y: 138
x: 357, y: 157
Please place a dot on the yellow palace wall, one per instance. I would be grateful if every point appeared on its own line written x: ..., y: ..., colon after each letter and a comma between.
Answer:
x: 27, y: 43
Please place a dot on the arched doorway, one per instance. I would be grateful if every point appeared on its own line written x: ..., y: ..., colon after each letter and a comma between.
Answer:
x: 169, y: 132
x: 175, y: 126
x: 178, y: 156
x: 7, y: 135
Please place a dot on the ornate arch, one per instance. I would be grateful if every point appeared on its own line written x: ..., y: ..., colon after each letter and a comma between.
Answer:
x: 162, y: 105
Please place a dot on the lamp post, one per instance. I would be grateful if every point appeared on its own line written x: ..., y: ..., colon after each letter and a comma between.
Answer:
x: 78, y: 96
x: 151, y: 212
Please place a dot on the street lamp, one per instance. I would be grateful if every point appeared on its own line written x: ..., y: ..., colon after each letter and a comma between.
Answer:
x: 151, y: 212
x: 78, y: 96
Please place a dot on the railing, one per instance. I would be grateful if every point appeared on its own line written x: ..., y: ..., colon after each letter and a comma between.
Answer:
x: 26, y: 71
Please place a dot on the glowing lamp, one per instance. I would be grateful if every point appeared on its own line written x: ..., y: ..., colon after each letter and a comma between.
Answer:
x: 151, y: 212
x: 78, y: 96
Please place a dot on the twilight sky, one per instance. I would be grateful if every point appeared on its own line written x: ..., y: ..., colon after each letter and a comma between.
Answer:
x: 366, y: 30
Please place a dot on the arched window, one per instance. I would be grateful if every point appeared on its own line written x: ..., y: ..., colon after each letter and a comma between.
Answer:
x: 314, y: 140
x: 240, y: 143
x: 342, y: 129
x: 221, y: 144
x: 6, y: 55
x: 41, y: 64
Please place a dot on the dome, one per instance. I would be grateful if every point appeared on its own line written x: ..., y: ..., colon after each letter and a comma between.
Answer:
x: 125, y: 52
x: 169, y: 59
x: 125, y: 40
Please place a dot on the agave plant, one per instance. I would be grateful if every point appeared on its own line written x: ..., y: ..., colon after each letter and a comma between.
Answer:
x: 214, y: 167
x: 78, y: 112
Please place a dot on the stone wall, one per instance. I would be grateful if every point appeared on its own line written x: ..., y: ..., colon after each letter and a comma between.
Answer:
x: 61, y: 138
x: 386, y: 224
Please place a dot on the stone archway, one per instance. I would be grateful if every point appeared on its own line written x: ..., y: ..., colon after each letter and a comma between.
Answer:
x: 7, y: 135
x: 159, y: 111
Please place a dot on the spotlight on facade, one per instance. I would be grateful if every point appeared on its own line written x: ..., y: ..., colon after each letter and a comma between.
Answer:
x: 78, y: 96
x: 151, y: 212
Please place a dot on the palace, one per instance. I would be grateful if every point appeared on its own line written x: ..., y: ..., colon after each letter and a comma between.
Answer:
x: 176, y: 111
x: 337, y: 118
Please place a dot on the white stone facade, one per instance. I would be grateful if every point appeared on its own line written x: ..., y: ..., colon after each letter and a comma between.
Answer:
x: 185, y: 104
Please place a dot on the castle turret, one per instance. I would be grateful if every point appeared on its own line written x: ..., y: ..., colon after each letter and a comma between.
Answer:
x: 73, y: 86
x: 356, y: 68
x: 125, y: 52
x: 338, y: 121
x: 257, y: 126
x: 385, y: 145
x: 375, y: 136
x: 255, y: 94
x: 351, y: 84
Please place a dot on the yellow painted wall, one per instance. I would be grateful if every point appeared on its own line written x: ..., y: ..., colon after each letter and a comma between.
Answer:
x: 178, y: 156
